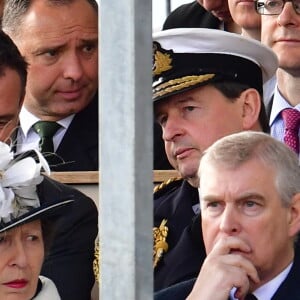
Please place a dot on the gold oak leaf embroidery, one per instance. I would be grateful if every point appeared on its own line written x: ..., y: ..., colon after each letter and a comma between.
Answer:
x: 159, y: 242
x: 162, y: 61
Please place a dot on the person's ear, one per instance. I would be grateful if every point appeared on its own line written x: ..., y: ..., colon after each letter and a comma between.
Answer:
x: 251, y: 108
x: 294, y: 217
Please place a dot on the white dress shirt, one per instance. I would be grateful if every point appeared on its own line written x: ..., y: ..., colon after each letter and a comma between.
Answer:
x: 28, y: 139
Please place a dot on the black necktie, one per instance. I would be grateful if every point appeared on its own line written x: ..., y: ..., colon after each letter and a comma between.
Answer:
x: 46, y: 131
x: 250, y: 297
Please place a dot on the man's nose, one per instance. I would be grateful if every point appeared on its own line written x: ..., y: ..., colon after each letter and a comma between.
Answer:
x: 73, y: 67
x: 172, y: 128
x: 230, y: 221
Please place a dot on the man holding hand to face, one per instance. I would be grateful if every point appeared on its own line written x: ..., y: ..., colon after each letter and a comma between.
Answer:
x: 250, y: 209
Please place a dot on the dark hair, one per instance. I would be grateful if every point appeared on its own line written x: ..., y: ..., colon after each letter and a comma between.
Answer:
x: 14, y: 11
x: 10, y: 57
x: 233, y: 90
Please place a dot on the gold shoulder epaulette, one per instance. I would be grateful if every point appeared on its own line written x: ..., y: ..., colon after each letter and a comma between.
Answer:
x: 165, y: 183
x: 160, y: 244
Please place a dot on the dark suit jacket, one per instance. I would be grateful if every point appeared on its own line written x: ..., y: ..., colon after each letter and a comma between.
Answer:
x: 70, y: 262
x: 289, y: 289
x: 268, y: 106
x: 186, y: 249
x: 79, y: 146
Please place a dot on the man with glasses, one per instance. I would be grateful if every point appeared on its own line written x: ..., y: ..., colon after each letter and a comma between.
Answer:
x: 281, y: 32
x: 274, y: 7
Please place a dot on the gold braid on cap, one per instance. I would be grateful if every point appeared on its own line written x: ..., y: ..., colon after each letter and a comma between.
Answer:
x: 159, y: 242
x: 96, y: 261
x: 179, y: 84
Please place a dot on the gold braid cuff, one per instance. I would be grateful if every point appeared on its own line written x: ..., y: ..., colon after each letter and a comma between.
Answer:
x: 159, y: 242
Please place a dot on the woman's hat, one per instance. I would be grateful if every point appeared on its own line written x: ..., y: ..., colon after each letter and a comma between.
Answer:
x: 19, y: 177
x: 186, y: 58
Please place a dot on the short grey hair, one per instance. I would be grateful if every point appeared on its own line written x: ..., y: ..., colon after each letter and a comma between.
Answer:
x: 236, y: 149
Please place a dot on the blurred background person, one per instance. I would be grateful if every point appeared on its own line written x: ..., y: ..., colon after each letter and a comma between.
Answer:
x: 244, y: 15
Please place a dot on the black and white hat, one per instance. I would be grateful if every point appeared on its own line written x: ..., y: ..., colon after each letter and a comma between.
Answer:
x: 186, y: 58
x: 19, y: 178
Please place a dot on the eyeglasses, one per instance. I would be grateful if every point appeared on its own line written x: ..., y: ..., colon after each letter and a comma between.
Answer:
x: 274, y: 7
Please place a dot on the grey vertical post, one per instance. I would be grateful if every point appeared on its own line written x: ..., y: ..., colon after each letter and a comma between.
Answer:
x: 168, y: 6
x: 125, y: 150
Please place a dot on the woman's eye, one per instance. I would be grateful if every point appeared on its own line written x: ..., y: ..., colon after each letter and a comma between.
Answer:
x: 32, y: 238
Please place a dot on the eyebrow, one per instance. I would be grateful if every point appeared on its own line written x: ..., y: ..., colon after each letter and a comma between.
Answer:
x: 243, y: 197
x: 88, y: 41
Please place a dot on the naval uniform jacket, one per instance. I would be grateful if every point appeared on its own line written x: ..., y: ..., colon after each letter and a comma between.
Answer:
x: 186, y: 250
x: 289, y: 288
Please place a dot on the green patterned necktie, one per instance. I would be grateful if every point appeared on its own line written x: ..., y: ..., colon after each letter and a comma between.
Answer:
x: 46, y: 131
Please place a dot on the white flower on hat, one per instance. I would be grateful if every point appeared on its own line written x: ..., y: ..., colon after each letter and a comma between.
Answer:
x: 18, y: 180
x: 5, y: 155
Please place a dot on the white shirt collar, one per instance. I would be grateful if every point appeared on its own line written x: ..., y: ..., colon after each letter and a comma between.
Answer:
x: 27, y: 119
x: 279, y: 104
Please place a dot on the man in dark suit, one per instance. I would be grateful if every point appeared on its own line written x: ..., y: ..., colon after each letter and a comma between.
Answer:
x: 281, y: 31
x: 59, y: 40
x: 250, y: 208
x: 70, y: 260
x: 206, y: 84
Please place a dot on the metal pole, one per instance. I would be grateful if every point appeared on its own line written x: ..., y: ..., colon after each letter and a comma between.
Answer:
x: 168, y: 6
x: 126, y: 150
